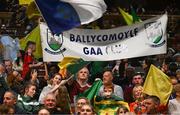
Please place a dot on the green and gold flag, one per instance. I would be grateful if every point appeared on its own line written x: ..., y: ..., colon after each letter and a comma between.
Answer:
x: 71, y: 65
x: 108, y: 106
x: 130, y: 18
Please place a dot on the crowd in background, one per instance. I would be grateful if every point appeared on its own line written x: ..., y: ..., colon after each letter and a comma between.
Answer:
x: 24, y: 89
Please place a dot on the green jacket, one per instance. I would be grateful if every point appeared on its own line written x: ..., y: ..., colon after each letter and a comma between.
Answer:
x: 28, y: 104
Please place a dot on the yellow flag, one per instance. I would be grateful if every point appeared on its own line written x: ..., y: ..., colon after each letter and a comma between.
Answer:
x: 21, y: 2
x: 157, y: 83
x: 127, y: 17
x: 32, y: 10
x: 33, y: 36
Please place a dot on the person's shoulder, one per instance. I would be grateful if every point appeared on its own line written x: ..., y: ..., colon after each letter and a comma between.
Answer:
x: 117, y: 86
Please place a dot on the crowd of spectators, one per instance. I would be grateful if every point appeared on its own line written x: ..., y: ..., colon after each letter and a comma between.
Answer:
x: 24, y: 90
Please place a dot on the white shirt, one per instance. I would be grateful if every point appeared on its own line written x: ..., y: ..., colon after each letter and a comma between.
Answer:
x: 174, y: 107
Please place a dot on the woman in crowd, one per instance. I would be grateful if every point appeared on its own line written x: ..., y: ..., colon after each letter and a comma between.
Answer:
x: 51, y: 87
x: 26, y: 101
x: 87, y: 110
x: 29, y: 61
x: 137, y: 106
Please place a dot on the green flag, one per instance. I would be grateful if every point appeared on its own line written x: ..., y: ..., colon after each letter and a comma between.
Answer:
x: 92, y: 91
x: 96, y: 69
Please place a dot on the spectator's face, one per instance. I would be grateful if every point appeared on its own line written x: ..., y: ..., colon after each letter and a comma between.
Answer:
x: 31, y: 91
x: 32, y: 47
x: 108, y: 92
x: 165, y: 67
x: 86, y: 110
x: 121, y: 112
x: 29, y: 51
x: 137, y: 80
x: 80, y: 103
x: 144, y: 65
x: 56, y: 79
x: 8, y: 99
x: 11, y: 111
x: 17, y: 75
x: 43, y: 112
x: 83, y: 74
x: 137, y: 92
x: 150, y: 106
x: 8, y: 65
x: 107, y: 78
x: 50, y: 102
x: 174, y: 81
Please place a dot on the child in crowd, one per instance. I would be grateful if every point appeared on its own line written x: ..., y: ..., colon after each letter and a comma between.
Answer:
x: 122, y: 110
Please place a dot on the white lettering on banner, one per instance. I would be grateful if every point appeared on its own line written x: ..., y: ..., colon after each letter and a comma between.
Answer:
x: 102, y: 38
x: 141, y: 39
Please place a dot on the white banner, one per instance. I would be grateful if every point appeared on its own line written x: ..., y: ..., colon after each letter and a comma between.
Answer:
x: 141, y: 39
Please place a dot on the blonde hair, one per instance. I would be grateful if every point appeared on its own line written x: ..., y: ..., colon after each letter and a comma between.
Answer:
x: 137, y: 87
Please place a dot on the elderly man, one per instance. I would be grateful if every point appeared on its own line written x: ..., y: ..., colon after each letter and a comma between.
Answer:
x: 10, y: 99
x: 80, y: 84
x: 107, y: 82
x: 50, y: 104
